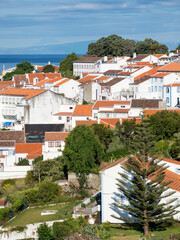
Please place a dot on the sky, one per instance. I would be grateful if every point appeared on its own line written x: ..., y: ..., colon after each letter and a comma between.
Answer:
x: 29, y: 23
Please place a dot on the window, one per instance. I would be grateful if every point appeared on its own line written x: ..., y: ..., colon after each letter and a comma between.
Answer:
x: 2, y: 99
x: 155, y: 89
x: 68, y: 119
x: 167, y: 90
x: 155, y: 79
x: 167, y: 99
x: 60, y: 118
x: 57, y: 144
x: 70, y: 107
x: 152, y: 89
x: 20, y: 158
x: 178, y: 89
x: 159, y: 89
x: 50, y: 144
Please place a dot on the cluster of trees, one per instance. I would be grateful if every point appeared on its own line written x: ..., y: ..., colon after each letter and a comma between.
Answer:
x: 66, y: 65
x: 114, y: 45
x: 21, y: 68
x: 48, y: 68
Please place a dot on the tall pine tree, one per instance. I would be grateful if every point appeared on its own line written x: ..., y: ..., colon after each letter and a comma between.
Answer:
x: 143, y: 184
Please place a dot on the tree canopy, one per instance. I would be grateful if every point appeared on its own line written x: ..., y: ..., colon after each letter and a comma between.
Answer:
x: 21, y: 68
x: 143, y: 184
x: 83, y: 151
x: 66, y: 65
x: 178, y: 47
x: 114, y: 45
x: 48, y: 68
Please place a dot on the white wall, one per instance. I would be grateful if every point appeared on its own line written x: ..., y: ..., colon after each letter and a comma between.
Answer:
x: 14, y: 172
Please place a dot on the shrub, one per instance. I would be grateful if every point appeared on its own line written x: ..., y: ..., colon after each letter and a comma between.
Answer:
x: 18, y: 204
x: 4, y: 213
x: 18, y: 229
x: 60, y: 230
x: 48, y: 191
x: 38, y: 159
x: 8, y: 181
x: 23, y: 162
x: 44, y: 232
x: 30, y: 179
x: 32, y: 195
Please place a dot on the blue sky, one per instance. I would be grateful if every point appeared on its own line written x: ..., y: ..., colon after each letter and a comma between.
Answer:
x: 26, y: 23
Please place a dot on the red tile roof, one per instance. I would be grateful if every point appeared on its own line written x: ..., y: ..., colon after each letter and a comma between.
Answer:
x: 104, y: 103
x: 138, y: 120
x: 83, y: 110
x: 56, y: 136
x: 158, y: 55
x: 62, y: 82
x: 42, y: 76
x: 153, y: 111
x: 171, y: 67
x: 86, y: 122
x: 41, y: 83
x: 172, y: 85
x: 33, y: 150
x: 27, y: 93
x: 109, y: 122
x: 170, y: 161
x: 117, y: 110
x: 64, y: 113
x: 87, y: 78
x: 160, y: 75
x: 148, y: 73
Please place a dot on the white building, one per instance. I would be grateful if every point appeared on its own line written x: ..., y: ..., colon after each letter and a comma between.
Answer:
x: 110, y: 193
x: 54, y: 144
x: 30, y: 106
x: 171, y: 93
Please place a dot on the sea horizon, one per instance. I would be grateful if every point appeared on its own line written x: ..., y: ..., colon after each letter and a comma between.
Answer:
x: 10, y: 60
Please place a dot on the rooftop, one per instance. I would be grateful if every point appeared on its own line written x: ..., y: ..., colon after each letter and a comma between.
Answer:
x: 56, y: 136
x: 104, y: 103
x: 33, y: 150
x: 27, y: 93
x: 88, y: 60
x: 17, y: 136
x: 83, y: 110
x: 171, y: 67
x: 145, y: 103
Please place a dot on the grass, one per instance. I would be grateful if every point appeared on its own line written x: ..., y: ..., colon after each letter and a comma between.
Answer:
x: 136, y: 235
x: 33, y: 215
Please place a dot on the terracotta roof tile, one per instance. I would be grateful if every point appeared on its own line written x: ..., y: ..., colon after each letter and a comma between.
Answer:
x: 158, y: 55
x: 138, y: 120
x: 171, y: 67
x: 145, y: 103
x: 83, y: 110
x: 27, y: 93
x: 56, y: 136
x: 148, y: 73
x: 64, y: 113
x: 160, y: 75
x: 62, y: 82
x: 88, y: 78
x: 153, y: 111
x: 33, y: 150
x: 41, y: 76
x: 17, y: 136
x: 88, y: 60
x: 109, y: 122
x: 104, y: 103
x: 7, y: 143
x: 172, y: 85
x: 86, y: 122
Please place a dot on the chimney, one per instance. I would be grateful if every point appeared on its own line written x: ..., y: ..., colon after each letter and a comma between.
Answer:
x: 134, y: 55
x: 105, y: 58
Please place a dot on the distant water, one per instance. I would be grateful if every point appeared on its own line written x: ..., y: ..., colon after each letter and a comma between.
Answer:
x: 10, y: 60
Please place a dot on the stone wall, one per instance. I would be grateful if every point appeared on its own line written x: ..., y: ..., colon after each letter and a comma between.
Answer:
x: 93, y: 181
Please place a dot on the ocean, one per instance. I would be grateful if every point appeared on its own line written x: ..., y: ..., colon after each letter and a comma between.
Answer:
x: 10, y: 60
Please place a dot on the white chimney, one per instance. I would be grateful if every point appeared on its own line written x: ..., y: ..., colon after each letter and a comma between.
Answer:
x: 134, y: 55
x: 105, y: 58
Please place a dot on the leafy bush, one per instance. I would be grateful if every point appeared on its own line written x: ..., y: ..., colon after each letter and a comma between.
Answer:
x: 32, y: 195
x: 38, y: 159
x: 17, y: 205
x: 116, y: 154
x: 48, y: 191
x: 60, y: 230
x: 23, y: 162
x: 18, y: 229
x: 44, y: 232
x: 8, y: 181
x: 4, y: 213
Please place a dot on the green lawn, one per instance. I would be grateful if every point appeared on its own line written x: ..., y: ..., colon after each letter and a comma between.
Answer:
x: 33, y: 215
x: 135, y: 235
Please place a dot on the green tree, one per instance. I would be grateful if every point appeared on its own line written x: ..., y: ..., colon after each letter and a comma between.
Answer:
x: 48, y: 169
x: 48, y: 191
x: 165, y: 124
x: 175, y: 148
x: 23, y: 162
x: 21, y: 68
x: 104, y: 134
x: 112, y: 45
x: 48, y: 69
x: 143, y: 184
x: 66, y: 65
x: 150, y: 46
x: 44, y: 232
x: 125, y: 131
x: 83, y: 152
x: 178, y: 47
